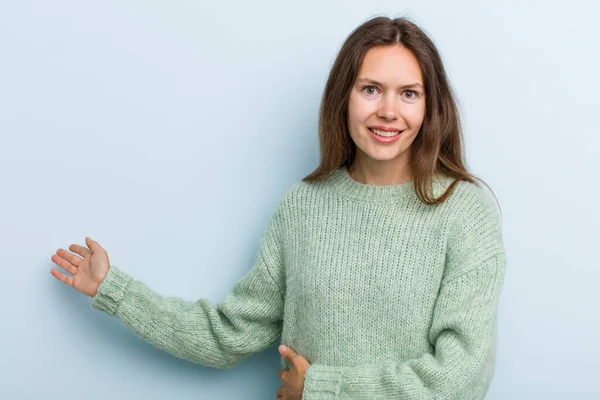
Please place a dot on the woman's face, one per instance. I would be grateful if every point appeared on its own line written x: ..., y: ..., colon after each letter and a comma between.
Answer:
x: 388, y: 94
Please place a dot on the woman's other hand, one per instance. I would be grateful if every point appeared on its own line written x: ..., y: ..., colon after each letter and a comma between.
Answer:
x: 88, y: 271
x: 292, y: 379
x: 283, y: 394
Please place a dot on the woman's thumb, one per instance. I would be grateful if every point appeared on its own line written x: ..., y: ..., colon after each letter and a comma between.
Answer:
x: 93, y: 245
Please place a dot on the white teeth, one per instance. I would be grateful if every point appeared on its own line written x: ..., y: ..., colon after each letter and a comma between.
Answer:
x: 384, y: 133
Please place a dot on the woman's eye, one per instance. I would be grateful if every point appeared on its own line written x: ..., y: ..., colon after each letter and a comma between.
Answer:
x: 369, y: 89
x: 413, y: 93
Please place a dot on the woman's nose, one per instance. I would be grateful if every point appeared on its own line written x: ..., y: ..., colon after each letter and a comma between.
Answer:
x: 388, y: 109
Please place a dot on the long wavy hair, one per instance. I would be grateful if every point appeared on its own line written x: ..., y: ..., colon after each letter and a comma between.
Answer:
x: 437, y: 148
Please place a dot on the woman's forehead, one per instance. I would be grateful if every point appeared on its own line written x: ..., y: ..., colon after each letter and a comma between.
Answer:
x: 391, y: 65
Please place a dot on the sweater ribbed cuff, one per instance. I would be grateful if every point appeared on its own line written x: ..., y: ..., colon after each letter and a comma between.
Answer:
x: 322, y: 382
x: 111, y: 291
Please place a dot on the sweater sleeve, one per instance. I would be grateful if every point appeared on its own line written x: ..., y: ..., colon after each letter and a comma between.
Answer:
x: 462, y: 333
x: 247, y: 321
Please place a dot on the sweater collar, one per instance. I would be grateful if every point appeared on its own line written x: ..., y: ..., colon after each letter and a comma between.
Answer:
x: 344, y: 184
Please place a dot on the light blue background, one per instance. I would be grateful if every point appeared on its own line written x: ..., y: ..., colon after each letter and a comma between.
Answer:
x: 168, y: 131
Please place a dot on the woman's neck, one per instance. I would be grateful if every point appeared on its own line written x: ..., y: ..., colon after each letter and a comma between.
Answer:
x: 381, y: 174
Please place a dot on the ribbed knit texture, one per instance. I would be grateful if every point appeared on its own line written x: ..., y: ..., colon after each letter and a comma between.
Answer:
x: 385, y: 297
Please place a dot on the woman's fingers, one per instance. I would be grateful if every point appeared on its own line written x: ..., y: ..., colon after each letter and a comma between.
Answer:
x: 64, y: 264
x: 70, y: 257
x: 62, y: 277
x: 280, y: 392
x: 82, y: 251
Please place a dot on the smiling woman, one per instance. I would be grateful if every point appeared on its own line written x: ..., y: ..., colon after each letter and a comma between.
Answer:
x: 380, y: 271
x: 389, y: 76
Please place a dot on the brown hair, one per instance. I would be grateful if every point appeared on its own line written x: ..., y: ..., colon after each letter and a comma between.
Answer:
x: 437, y: 147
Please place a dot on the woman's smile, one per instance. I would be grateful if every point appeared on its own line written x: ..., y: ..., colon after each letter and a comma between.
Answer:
x: 384, y: 136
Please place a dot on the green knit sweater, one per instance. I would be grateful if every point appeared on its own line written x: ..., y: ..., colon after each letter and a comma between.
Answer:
x: 385, y: 297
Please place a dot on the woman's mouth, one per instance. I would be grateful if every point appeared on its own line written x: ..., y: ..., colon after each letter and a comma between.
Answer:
x: 384, y: 136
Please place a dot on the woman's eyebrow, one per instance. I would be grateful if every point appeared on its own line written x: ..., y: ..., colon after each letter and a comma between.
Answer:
x: 374, y: 82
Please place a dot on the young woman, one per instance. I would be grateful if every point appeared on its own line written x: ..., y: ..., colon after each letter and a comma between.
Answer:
x: 381, y: 270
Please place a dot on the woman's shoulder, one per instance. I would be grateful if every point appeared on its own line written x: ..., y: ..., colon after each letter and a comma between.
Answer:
x: 301, y: 192
x: 293, y: 196
x: 466, y: 195
x: 474, y: 212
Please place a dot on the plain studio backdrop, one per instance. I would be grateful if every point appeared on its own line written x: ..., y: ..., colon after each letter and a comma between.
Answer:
x: 168, y: 131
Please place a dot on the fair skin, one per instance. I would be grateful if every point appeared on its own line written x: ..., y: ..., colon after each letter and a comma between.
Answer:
x: 380, y: 97
x: 388, y: 93
x: 88, y: 266
x: 292, y: 379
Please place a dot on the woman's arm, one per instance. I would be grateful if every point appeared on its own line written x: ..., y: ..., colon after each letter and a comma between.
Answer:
x: 463, y: 334
x: 246, y: 322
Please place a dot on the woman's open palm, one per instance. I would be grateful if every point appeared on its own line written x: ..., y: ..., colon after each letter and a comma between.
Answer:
x: 88, y: 272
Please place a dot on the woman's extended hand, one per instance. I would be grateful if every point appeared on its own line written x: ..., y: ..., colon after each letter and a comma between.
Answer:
x: 292, y: 379
x: 88, y: 272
